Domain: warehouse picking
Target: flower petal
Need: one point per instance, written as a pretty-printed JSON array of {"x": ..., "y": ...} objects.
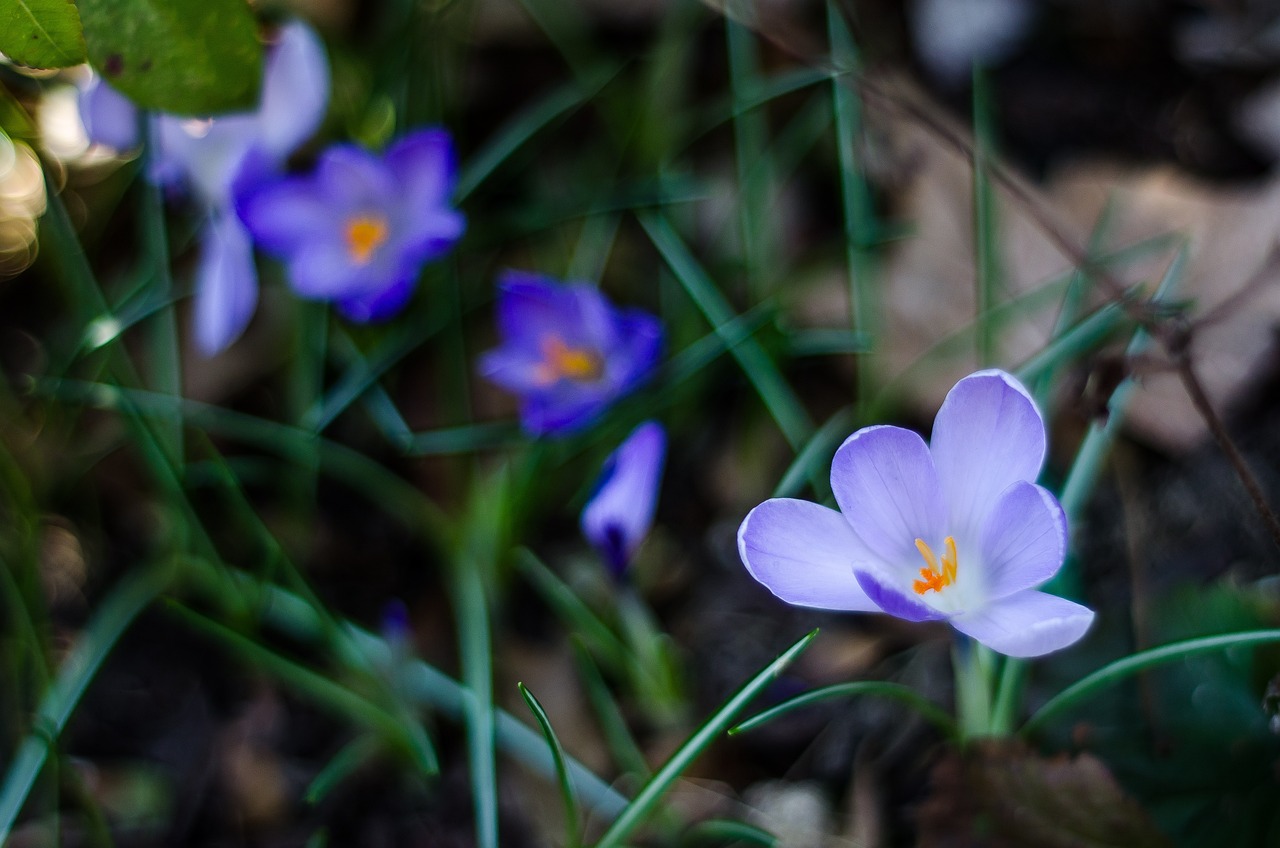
[
  {"x": 353, "y": 180},
  {"x": 884, "y": 481},
  {"x": 108, "y": 116},
  {"x": 1024, "y": 542},
  {"x": 425, "y": 167},
  {"x": 1026, "y": 624},
  {"x": 226, "y": 285},
  {"x": 988, "y": 435},
  {"x": 377, "y": 304},
  {"x": 324, "y": 271},
  {"x": 286, "y": 214},
  {"x": 804, "y": 554},
  {"x": 888, "y": 599},
  {"x": 295, "y": 90},
  {"x": 618, "y": 516}
]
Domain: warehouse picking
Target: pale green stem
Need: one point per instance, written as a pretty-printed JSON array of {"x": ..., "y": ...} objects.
[{"x": 973, "y": 665}]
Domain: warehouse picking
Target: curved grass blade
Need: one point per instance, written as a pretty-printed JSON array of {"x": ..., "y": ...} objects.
[
  {"x": 562, "y": 774},
  {"x": 1130, "y": 665},
  {"x": 928, "y": 710},
  {"x": 724, "y": 831},
  {"x": 116, "y": 612},
  {"x": 343, "y": 764},
  {"x": 648, "y": 797},
  {"x": 819, "y": 447}
]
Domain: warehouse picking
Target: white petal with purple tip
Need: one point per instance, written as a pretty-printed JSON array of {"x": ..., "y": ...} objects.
[
  {"x": 804, "y": 554},
  {"x": 1026, "y": 624}
]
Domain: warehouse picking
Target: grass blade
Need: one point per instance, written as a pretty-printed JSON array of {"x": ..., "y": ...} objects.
[
  {"x": 562, "y": 774},
  {"x": 928, "y": 710},
  {"x": 718, "y": 723},
  {"x": 1113, "y": 673}
]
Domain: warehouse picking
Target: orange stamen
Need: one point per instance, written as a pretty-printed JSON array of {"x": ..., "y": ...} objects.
[
  {"x": 364, "y": 235},
  {"x": 562, "y": 362},
  {"x": 932, "y": 577}
]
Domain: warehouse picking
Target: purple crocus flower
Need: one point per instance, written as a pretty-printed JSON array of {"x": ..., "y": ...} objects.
[
  {"x": 359, "y": 228},
  {"x": 955, "y": 530},
  {"x": 620, "y": 512},
  {"x": 567, "y": 351},
  {"x": 214, "y": 159}
]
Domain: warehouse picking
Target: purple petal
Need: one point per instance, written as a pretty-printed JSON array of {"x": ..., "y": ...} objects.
[
  {"x": 108, "y": 116},
  {"x": 208, "y": 153},
  {"x": 425, "y": 167},
  {"x": 285, "y": 215},
  {"x": 226, "y": 285},
  {"x": 295, "y": 90},
  {"x": 884, "y": 481},
  {"x": 804, "y": 554},
  {"x": 563, "y": 411},
  {"x": 324, "y": 271},
  {"x": 431, "y": 234},
  {"x": 377, "y": 304},
  {"x": 1026, "y": 624},
  {"x": 1024, "y": 542},
  {"x": 988, "y": 435},
  {"x": 620, "y": 513},
  {"x": 636, "y": 349},
  {"x": 888, "y": 598},
  {"x": 354, "y": 180},
  {"x": 515, "y": 369}
]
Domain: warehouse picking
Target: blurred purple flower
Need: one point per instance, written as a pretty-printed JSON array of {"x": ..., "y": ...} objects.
[
  {"x": 956, "y": 530},
  {"x": 620, "y": 512},
  {"x": 566, "y": 351},
  {"x": 360, "y": 227},
  {"x": 216, "y": 158}
]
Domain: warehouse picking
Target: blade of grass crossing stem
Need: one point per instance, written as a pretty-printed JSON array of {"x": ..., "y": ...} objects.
[
  {"x": 861, "y": 231},
  {"x": 622, "y": 745},
  {"x": 571, "y": 827},
  {"x": 344, "y": 702},
  {"x": 346, "y": 762},
  {"x": 428, "y": 686},
  {"x": 751, "y": 150},
  {"x": 777, "y": 395},
  {"x": 640, "y": 808},
  {"x": 577, "y": 616},
  {"x": 524, "y": 125},
  {"x": 986, "y": 236},
  {"x": 815, "y": 457},
  {"x": 115, "y": 614},
  {"x": 928, "y": 710},
  {"x": 1113, "y": 673},
  {"x": 1085, "y": 469}
]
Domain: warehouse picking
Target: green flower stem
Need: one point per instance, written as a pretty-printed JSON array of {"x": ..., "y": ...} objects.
[{"x": 972, "y": 664}]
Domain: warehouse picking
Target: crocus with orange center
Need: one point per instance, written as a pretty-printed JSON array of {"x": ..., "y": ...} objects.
[{"x": 954, "y": 530}]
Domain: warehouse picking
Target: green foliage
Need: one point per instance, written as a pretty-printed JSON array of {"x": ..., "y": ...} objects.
[
  {"x": 41, "y": 33},
  {"x": 187, "y": 58}
]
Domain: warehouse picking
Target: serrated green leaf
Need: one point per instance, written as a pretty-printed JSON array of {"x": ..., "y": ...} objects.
[
  {"x": 188, "y": 58},
  {"x": 41, "y": 33}
]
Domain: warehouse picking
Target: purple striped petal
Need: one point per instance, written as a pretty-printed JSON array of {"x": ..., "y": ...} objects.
[
  {"x": 890, "y": 599},
  {"x": 1024, "y": 542},
  {"x": 884, "y": 481},
  {"x": 804, "y": 554},
  {"x": 1026, "y": 624},
  {"x": 988, "y": 435}
]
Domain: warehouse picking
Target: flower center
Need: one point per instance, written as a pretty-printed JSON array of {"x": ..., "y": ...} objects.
[
  {"x": 562, "y": 362},
  {"x": 364, "y": 235},
  {"x": 932, "y": 577}
]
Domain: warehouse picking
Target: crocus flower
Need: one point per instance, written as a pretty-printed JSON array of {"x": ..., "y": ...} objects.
[
  {"x": 620, "y": 512},
  {"x": 359, "y": 228},
  {"x": 214, "y": 159},
  {"x": 567, "y": 351},
  {"x": 955, "y": 530}
]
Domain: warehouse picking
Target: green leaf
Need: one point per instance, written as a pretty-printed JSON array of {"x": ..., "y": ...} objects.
[
  {"x": 189, "y": 58},
  {"x": 562, "y": 773},
  {"x": 41, "y": 33}
]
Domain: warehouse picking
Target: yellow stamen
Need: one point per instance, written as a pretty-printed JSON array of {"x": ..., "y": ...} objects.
[
  {"x": 364, "y": 235},
  {"x": 562, "y": 362},
  {"x": 932, "y": 577}
]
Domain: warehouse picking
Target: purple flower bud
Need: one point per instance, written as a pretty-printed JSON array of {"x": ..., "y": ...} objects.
[{"x": 620, "y": 512}]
